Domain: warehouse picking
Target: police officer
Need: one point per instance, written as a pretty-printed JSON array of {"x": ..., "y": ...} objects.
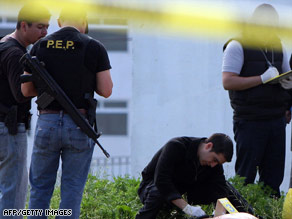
[
  {"x": 32, "y": 24},
  {"x": 80, "y": 65},
  {"x": 261, "y": 110}
]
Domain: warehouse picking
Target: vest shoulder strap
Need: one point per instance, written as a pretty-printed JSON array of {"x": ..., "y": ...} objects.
[{"x": 7, "y": 45}]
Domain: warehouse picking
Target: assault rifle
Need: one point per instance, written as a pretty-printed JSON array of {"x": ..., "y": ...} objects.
[
  {"x": 237, "y": 200},
  {"x": 54, "y": 92}
]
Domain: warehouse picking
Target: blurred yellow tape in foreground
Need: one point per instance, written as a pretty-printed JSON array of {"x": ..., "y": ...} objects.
[
  {"x": 167, "y": 17},
  {"x": 287, "y": 207}
]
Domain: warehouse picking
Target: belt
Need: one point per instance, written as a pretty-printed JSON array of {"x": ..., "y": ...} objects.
[
  {"x": 2, "y": 119},
  {"x": 20, "y": 119},
  {"x": 49, "y": 111}
]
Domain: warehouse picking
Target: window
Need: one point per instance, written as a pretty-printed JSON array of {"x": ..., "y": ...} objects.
[
  {"x": 5, "y": 31},
  {"x": 112, "y": 117},
  {"x": 7, "y": 25},
  {"x": 114, "y": 39},
  {"x": 110, "y": 31},
  {"x": 112, "y": 123},
  {"x": 115, "y": 104},
  {"x": 11, "y": 20}
]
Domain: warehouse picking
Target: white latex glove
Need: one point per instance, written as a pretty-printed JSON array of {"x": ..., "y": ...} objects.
[
  {"x": 286, "y": 83},
  {"x": 213, "y": 213},
  {"x": 194, "y": 211},
  {"x": 271, "y": 72}
]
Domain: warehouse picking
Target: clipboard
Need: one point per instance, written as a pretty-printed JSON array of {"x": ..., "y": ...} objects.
[{"x": 277, "y": 78}]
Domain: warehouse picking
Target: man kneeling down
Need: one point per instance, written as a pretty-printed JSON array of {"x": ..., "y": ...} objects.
[{"x": 185, "y": 165}]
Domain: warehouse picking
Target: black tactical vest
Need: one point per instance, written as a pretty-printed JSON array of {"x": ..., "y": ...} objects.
[
  {"x": 63, "y": 54},
  {"x": 6, "y": 96},
  {"x": 265, "y": 101}
]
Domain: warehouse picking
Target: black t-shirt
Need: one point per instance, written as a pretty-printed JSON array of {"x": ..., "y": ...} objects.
[
  {"x": 96, "y": 57},
  {"x": 73, "y": 59}
]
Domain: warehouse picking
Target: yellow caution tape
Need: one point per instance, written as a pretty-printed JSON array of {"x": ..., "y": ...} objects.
[
  {"x": 184, "y": 18},
  {"x": 287, "y": 207}
]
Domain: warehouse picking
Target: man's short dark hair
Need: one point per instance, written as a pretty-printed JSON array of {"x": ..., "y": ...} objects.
[
  {"x": 73, "y": 14},
  {"x": 265, "y": 14},
  {"x": 222, "y": 144},
  {"x": 32, "y": 12}
]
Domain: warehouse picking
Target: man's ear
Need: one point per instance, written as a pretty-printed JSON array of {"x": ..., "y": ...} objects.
[
  {"x": 59, "y": 23},
  {"x": 23, "y": 25},
  {"x": 209, "y": 146},
  {"x": 86, "y": 28}
]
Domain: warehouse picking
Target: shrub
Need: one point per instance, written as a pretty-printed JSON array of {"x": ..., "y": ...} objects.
[
  {"x": 106, "y": 199},
  {"x": 260, "y": 198},
  {"x": 118, "y": 199}
]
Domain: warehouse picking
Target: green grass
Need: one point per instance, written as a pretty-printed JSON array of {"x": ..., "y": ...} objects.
[{"x": 118, "y": 199}]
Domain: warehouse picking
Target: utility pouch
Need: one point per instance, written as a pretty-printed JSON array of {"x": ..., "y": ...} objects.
[
  {"x": 91, "y": 110},
  {"x": 27, "y": 120},
  {"x": 10, "y": 120}
]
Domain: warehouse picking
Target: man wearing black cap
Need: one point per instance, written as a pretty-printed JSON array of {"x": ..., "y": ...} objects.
[
  {"x": 32, "y": 24},
  {"x": 80, "y": 65}
]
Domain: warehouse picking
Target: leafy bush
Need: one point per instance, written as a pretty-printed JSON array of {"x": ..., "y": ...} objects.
[
  {"x": 260, "y": 198},
  {"x": 118, "y": 199},
  {"x": 257, "y": 195},
  {"x": 106, "y": 199}
]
